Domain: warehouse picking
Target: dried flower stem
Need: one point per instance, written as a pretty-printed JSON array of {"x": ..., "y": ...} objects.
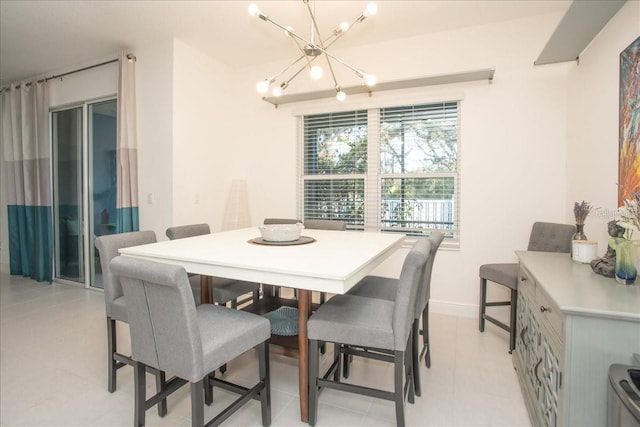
[{"x": 581, "y": 211}]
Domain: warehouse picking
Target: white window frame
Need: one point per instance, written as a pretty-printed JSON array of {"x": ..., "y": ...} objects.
[{"x": 373, "y": 177}]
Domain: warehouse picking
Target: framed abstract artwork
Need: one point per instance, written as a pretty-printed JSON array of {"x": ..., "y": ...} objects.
[{"x": 629, "y": 143}]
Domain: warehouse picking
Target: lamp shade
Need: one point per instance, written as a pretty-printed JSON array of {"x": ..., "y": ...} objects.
[{"x": 236, "y": 212}]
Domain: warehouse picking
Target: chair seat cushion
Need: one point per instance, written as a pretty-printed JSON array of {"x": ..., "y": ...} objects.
[
  {"x": 234, "y": 333},
  {"x": 354, "y": 320},
  {"x": 503, "y": 274},
  {"x": 376, "y": 287},
  {"x": 225, "y": 290},
  {"x": 119, "y": 309}
]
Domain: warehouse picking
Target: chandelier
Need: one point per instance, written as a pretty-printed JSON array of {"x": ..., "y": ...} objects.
[{"x": 311, "y": 48}]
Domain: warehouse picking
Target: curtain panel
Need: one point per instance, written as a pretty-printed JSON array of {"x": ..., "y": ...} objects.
[
  {"x": 127, "y": 149},
  {"x": 27, "y": 169}
]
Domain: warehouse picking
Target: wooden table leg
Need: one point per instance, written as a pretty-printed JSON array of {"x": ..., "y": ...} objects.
[
  {"x": 205, "y": 298},
  {"x": 304, "y": 310}
]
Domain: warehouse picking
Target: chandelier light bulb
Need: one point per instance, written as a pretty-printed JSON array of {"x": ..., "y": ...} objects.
[
  {"x": 344, "y": 26},
  {"x": 370, "y": 80},
  {"x": 340, "y": 95},
  {"x": 263, "y": 86},
  {"x": 316, "y": 72},
  {"x": 371, "y": 10},
  {"x": 254, "y": 10}
]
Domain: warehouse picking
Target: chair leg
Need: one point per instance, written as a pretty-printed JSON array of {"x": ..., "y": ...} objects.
[
  {"x": 323, "y": 297},
  {"x": 313, "y": 381},
  {"x": 265, "y": 377},
  {"x": 483, "y": 302},
  {"x": 345, "y": 365},
  {"x": 161, "y": 382},
  {"x": 398, "y": 363},
  {"x": 140, "y": 388},
  {"x": 256, "y": 296},
  {"x": 512, "y": 331},
  {"x": 336, "y": 359},
  {"x": 425, "y": 335},
  {"x": 111, "y": 349},
  {"x": 208, "y": 388},
  {"x": 415, "y": 362},
  {"x": 197, "y": 404}
]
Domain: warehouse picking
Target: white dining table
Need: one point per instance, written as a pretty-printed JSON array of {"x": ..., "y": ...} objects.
[{"x": 333, "y": 262}]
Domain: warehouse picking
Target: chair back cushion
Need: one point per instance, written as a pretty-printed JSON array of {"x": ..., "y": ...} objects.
[
  {"x": 424, "y": 290},
  {"x": 108, "y": 247},
  {"x": 268, "y": 221},
  {"x": 550, "y": 237},
  {"x": 184, "y": 231},
  {"x": 162, "y": 316},
  {"x": 325, "y": 224},
  {"x": 407, "y": 292}
]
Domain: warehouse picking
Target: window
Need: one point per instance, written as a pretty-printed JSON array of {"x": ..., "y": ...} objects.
[{"x": 390, "y": 169}]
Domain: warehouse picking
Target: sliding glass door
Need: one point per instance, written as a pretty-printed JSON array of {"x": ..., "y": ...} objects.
[{"x": 84, "y": 181}]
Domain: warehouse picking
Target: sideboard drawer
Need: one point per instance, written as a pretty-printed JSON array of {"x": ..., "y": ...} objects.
[
  {"x": 526, "y": 283},
  {"x": 550, "y": 312}
]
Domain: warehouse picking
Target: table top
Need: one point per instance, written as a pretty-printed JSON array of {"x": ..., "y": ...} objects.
[
  {"x": 578, "y": 290},
  {"x": 335, "y": 262}
]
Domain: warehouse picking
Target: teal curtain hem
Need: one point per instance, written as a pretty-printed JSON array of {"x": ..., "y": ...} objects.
[
  {"x": 31, "y": 241},
  {"x": 127, "y": 219}
]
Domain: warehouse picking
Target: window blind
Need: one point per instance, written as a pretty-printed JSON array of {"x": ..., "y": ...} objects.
[{"x": 390, "y": 169}]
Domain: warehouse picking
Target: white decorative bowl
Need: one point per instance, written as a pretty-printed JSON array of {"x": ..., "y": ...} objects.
[{"x": 281, "y": 232}]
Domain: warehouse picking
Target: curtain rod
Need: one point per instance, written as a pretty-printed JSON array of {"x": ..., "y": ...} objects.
[{"x": 129, "y": 57}]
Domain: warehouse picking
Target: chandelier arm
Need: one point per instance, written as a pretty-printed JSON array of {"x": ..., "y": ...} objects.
[
  {"x": 296, "y": 74},
  {"x": 338, "y": 32},
  {"x": 314, "y": 25},
  {"x": 275, "y": 76},
  {"x": 335, "y": 81},
  {"x": 313, "y": 45},
  {"x": 301, "y": 49}
]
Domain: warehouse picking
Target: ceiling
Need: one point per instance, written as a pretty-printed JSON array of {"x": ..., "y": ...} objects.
[{"x": 42, "y": 37}]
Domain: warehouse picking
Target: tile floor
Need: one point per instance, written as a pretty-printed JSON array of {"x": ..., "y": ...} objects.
[{"x": 53, "y": 373}]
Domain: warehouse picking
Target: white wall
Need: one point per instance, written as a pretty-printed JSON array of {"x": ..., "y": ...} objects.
[
  {"x": 202, "y": 137},
  {"x": 154, "y": 92},
  {"x": 592, "y": 123}
]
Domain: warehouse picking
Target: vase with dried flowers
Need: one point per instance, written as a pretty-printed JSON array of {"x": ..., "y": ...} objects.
[
  {"x": 580, "y": 211},
  {"x": 626, "y": 248}
]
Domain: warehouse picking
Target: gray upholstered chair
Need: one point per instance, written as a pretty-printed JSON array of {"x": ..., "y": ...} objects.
[
  {"x": 386, "y": 288},
  {"x": 268, "y": 221},
  {"x": 545, "y": 237},
  {"x": 325, "y": 224},
  {"x": 171, "y": 334},
  {"x": 115, "y": 302},
  {"x": 224, "y": 290},
  {"x": 365, "y": 325}
]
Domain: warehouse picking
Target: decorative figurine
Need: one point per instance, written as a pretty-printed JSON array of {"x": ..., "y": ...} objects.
[{"x": 606, "y": 265}]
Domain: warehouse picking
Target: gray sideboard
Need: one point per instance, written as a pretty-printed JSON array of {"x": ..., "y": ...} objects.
[{"x": 571, "y": 325}]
